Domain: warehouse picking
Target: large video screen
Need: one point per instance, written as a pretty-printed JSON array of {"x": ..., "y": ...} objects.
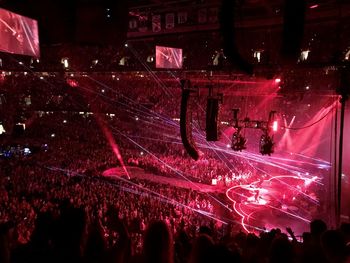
[
  {"x": 18, "y": 34},
  {"x": 168, "y": 57}
]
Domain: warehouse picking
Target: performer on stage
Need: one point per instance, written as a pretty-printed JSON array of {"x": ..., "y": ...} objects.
[{"x": 257, "y": 190}]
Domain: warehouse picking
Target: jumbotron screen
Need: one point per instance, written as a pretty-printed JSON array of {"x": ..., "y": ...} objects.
[
  {"x": 18, "y": 34},
  {"x": 168, "y": 57}
]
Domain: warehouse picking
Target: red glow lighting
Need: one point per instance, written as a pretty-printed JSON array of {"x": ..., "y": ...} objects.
[
  {"x": 71, "y": 82},
  {"x": 314, "y": 6}
]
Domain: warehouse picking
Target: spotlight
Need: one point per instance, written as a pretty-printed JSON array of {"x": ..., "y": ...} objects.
[
  {"x": 266, "y": 144},
  {"x": 275, "y": 126},
  {"x": 65, "y": 63},
  {"x": 272, "y": 122},
  {"x": 304, "y": 55},
  {"x": 238, "y": 142}
]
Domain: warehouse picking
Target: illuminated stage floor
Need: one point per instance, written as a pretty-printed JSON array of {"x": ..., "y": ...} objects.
[{"x": 277, "y": 202}]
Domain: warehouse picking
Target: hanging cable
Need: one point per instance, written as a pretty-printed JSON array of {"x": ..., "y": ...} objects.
[{"x": 310, "y": 125}]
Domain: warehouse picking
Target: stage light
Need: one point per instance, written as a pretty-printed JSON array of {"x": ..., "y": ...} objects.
[
  {"x": 347, "y": 55},
  {"x": 2, "y": 129},
  {"x": 266, "y": 145},
  {"x": 150, "y": 59},
  {"x": 238, "y": 142},
  {"x": 307, "y": 87},
  {"x": 275, "y": 126},
  {"x": 257, "y": 55},
  {"x": 272, "y": 122},
  {"x": 65, "y": 63},
  {"x": 71, "y": 82},
  {"x": 304, "y": 55},
  {"x": 278, "y": 80},
  {"x": 123, "y": 61},
  {"x": 27, "y": 151},
  {"x": 314, "y": 6}
]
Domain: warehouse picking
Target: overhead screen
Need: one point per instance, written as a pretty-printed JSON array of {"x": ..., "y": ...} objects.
[
  {"x": 18, "y": 34},
  {"x": 168, "y": 57}
]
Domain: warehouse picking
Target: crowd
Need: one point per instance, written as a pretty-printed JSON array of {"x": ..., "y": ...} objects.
[
  {"x": 83, "y": 108},
  {"x": 203, "y": 171},
  {"x": 56, "y": 206},
  {"x": 30, "y": 188},
  {"x": 49, "y": 214},
  {"x": 141, "y": 112}
]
